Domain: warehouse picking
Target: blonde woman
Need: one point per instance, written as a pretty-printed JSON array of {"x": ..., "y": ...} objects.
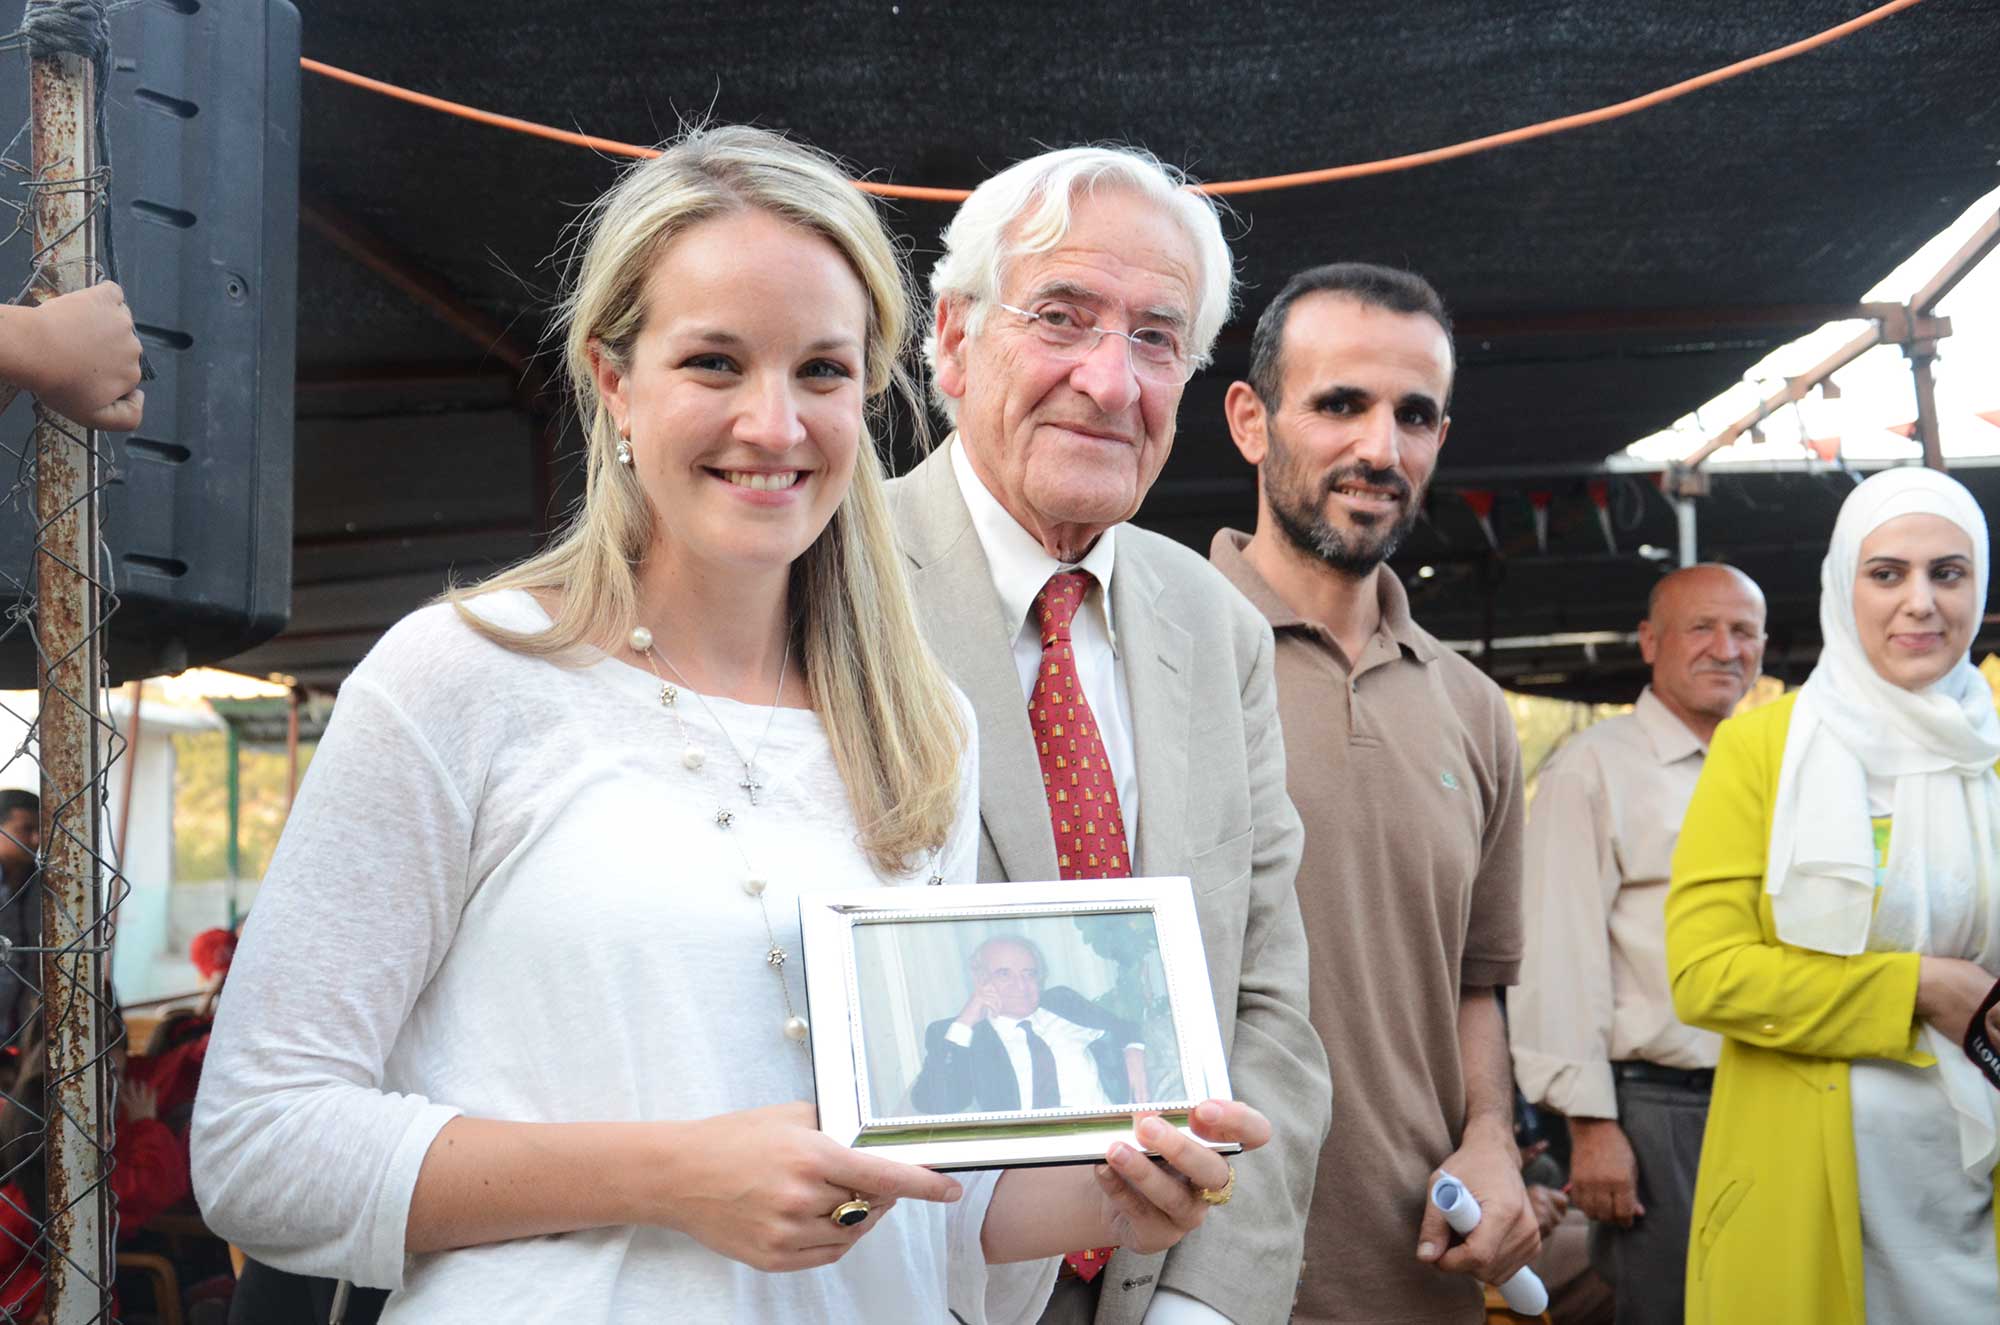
[
  {"x": 1835, "y": 914},
  {"x": 517, "y": 1030}
]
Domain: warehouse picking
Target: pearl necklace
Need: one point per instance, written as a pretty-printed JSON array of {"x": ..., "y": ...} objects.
[{"x": 754, "y": 884}]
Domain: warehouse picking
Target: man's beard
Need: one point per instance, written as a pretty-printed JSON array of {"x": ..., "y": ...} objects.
[{"x": 1298, "y": 504}]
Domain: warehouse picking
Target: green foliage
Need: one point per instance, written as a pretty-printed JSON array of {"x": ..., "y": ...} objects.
[
  {"x": 1129, "y": 940},
  {"x": 1139, "y": 994},
  {"x": 201, "y": 805}
]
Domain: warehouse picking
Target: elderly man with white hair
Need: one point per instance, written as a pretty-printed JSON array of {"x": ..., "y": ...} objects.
[{"x": 1127, "y": 710}]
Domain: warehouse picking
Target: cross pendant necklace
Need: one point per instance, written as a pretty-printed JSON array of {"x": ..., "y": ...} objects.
[
  {"x": 754, "y": 883},
  {"x": 641, "y": 640}
]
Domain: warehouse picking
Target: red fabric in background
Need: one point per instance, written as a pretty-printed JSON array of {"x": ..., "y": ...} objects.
[
  {"x": 212, "y": 951},
  {"x": 20, "y": 1268},
  {"x": 149, "y": 1173},
  {"x": 173, "y": 1074}
]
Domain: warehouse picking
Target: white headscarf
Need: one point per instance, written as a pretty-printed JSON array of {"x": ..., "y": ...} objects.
[{"x": 1937, "y": 746}]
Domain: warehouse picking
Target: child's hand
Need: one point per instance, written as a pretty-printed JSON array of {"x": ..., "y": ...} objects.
[{"x": 138, "y": 1101}]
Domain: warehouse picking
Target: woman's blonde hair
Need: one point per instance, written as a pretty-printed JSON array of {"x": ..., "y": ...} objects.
[{"x": 888, "y": 710}]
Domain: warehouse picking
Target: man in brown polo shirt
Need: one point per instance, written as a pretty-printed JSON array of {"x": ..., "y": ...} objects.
[{"x": 1403, "y": 763}]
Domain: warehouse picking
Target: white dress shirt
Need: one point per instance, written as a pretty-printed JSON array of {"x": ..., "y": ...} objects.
[
  {"x": 1078, "y": 1085},
  {"x": 1599, "y": 853},
  {"x": 1020, "y": 568}
]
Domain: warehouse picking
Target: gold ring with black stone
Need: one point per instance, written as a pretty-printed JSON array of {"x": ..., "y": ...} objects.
[
  {"x": 1219, "y": 1195},
  {"x": 849, "y": 1213}
]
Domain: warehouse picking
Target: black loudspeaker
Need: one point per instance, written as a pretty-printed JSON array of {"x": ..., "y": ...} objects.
[{"x": 203, "y": 106}]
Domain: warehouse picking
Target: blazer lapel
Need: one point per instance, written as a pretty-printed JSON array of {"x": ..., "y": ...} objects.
[
  {"x": 1156, "y": 654},
  {"x": 961, "y": 616}
]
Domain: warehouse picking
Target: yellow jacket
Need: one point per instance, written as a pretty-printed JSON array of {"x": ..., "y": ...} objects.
[{"x": 1777, "y": 1218}]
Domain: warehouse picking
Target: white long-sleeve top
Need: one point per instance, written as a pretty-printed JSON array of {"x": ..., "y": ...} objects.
[{"x": 501, "y": 893}]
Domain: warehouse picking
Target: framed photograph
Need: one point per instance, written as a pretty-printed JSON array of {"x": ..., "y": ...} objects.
[{"x": 999, "y": 1025}]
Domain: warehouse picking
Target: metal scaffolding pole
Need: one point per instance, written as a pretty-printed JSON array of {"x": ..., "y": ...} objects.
[
  {"x": 1915, "y": 326},
  {"x": 1683, "y": 485},
  {"x": 1922, "y": 354},
  {"x": 78, "y": 1260}
]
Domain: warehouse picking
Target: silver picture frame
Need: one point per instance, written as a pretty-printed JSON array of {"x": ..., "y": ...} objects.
[{"x": 879, "y": 966}]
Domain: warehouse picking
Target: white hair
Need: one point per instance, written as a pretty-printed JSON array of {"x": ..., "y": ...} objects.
[
  {"x": 977, "y": 961},
  {"x": 1026, "y": 209}
]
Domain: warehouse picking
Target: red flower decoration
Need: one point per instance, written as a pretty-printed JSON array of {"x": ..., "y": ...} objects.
[{"x": 211, "y": 951}]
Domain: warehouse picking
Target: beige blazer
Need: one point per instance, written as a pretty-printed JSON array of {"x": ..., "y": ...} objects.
[{"x": 1211, "y": 780}]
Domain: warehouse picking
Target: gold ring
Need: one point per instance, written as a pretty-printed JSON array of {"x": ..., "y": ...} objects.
[
  {"x": 1219, "y": 1196},
  {"x": 849, "y": 1213}
]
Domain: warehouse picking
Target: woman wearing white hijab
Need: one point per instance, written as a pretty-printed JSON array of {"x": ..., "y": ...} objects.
[{"x": 1835, "y": 914}]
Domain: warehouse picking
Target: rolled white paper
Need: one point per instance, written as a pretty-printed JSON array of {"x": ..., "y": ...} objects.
[{"x": 1524, "y": 1293}]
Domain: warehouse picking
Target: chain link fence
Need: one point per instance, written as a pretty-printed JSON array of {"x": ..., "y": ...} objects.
[{"x": 59, "y": 890}]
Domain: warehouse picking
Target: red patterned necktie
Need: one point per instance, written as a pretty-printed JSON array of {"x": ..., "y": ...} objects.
[{"x": 1076, "y": 777}]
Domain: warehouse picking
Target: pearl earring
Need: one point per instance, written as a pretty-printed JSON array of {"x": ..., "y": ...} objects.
[{"x": 624, "y": 452}]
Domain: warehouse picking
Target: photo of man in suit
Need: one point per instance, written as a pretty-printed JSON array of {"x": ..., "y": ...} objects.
[{"x": 1017, "y": 1045}]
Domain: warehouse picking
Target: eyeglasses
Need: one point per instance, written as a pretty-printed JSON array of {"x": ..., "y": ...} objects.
[{"x": 1157, "y": 353}]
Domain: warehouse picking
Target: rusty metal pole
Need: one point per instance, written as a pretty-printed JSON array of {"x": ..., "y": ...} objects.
[
  {"x": 1922, "y": 354},
  {"x": 78, "y": 1259}
]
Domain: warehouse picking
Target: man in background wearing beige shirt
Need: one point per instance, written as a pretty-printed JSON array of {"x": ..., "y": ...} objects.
[{"x": 1592, "y": 1021}]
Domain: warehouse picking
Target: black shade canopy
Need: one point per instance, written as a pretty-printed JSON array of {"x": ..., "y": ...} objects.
[{"x": 1606, "y": 280}]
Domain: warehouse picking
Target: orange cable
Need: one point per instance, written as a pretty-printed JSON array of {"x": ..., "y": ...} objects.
[
  {"x": 1566, "y": 122},
  {"x": 912, "y": 192},
  {"x": 1264, "y": 184},
  {"x": 464, "y": 111}
]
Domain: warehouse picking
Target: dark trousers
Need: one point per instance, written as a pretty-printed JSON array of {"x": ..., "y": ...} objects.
[
  {"x": 266, "y": 1295},
  {"x": 1646, "y": 1264},
  {"x": 1073, "y": 1303}
]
